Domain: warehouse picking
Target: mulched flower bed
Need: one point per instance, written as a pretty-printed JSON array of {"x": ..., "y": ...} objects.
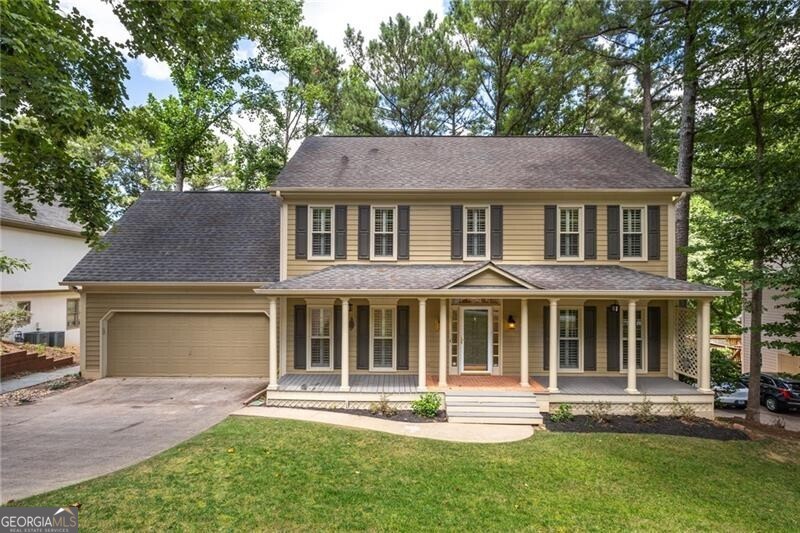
[
  {"x": 663, "y": 425},
  {"x": 401, "y": 416}
]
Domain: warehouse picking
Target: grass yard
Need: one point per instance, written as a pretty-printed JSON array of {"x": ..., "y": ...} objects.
[{"x": 260, "y": 474}]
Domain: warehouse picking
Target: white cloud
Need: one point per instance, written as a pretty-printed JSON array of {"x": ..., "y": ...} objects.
[
  {"x": 106, "y": 23},
  {"x": 153, "y": 68},
  {"x": 331, "y": 17}
]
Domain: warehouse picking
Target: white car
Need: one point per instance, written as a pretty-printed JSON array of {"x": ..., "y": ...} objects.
[{"x": 736, "y": 399}]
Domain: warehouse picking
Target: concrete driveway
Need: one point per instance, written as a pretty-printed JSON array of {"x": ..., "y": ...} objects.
[
  {"x": 791, "y": 419},
  {"x": 107, "y": 425}
]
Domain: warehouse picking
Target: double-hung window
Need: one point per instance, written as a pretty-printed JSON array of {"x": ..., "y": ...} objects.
[
  {"x": 321, "y": 232},
  {"x": 639, "y": 341},
  {"x": 568, "y": 339},
  {"x": 384, "y": 233},
  {"x": 383, "y": 338},
  {"x": 477, "y": 230},
  {"x": 73, "y": 313},
  {"x": 633, "y": 232},
  {"x": 569, "y": 233},
  {"x": 320, "y": 338}
]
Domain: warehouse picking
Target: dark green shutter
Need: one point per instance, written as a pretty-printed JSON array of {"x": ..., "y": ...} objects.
[
  {"x": 363, "y": 231},
  {"x": 612, "y": 339},
  {"x": 550, "y": 221},
  {"x": 590, "y": 232},
  {"x": 613, "y": 232},
  {"x": 403, "y": 231},
  {"x": 300, "y": 337},
  {"x": 497, "y": 231},
  {"x": 456, "y": 231},
  {"x": 362, "y": 340},
  {"x": 546, "y": 337},
  {"x": 341, "y": 232},
  {"x": 653, "y": 339},
  {"x": 337, "y": 336},
  {"x": 301, "y": 232},
  {"x": 653, "y": 232},
  {"x": 590, "y": 338},
  {"x": 402, "y": 337}
]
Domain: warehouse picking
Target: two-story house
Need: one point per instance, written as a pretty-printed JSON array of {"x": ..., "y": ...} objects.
[
  {"x": 51, "y": 245},
  {"x": 537, "y": 265}
]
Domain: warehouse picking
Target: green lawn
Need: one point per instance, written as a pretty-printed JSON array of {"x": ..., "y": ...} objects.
[{"x": 260, "y": 474}]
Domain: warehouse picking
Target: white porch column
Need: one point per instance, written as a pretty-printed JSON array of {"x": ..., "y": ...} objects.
[
  {"x": 553, "y": 347},
  {"x": 704, "y": 349},
  {"x": 523, "y": 344},
  {"x": 423, "y": 338},
  {"x": 443, "y": 329},
  {"x": 345, "y": 344},
  {"x": 631, "y": 388},
  {"x": 273, "y": 344},
  {"x": 283, "y": 309}
]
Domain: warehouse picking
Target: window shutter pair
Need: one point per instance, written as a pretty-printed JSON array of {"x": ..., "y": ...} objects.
[
  {"x": 362, "y": 337},
  {"x": 613, "y": 341},
  {"x": 301, "y": 232},
  {"x": 403, "y": 231},
  {"x": 589, "y": 337},
  {"x": 589, "y": 231},
  {"x": 653, "y": 215},
  {"x": 457, "y": 231}
]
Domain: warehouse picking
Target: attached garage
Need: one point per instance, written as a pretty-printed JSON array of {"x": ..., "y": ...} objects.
[{"x": 187, "y": 344}]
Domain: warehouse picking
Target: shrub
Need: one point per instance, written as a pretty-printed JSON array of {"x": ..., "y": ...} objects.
[
  {"x": 562, "y": 414},
  {"x": 724, "y": 370},
  {"x": 11, "y": 318},
  {"x": 427, "y": 405},
  {"x": 383, "y": 407},
  {"x": 644, "y": 412},
  {"x": 681, "y": 410},
  {"x": 599, "y": 412}
]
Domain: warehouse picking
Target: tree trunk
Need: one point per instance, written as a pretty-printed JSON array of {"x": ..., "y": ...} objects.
[
  {"x": 647, "y": 111},
  {"x": 686, "y": 139},
  {"x": 180, "y": 171},
  {"x": 756, "y": 308}
]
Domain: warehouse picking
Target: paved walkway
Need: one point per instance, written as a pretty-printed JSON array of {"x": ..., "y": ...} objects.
[
  {"x": 37, "y": 378},
  {"x": 482, "y": 433}
]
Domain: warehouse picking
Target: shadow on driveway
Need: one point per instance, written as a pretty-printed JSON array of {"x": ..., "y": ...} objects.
[{"x": 107, "y": 425}]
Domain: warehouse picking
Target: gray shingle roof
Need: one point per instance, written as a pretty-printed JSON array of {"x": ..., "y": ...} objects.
[
  {"x": 432, "y": 277},
  {"x": 189, "y": 237},
  {"x": 47, "y": 216},
  {"x": 500, "y": 163}
]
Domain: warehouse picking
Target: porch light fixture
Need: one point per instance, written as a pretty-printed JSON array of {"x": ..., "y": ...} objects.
[
  {"x": 615, "y": 308},
  {"x": 512, "y": 324}
]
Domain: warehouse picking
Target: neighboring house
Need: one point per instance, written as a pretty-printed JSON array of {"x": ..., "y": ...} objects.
[
  {"x": 772, "y": 359},
  {"x": 51, "y": 245},
  {"x": 403, "y": 264}
]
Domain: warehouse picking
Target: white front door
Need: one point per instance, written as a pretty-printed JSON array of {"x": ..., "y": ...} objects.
[{"x": 475, "y": 354}]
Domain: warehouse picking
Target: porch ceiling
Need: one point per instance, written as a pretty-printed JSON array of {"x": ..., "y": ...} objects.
[{"x": 438, "y": 280}]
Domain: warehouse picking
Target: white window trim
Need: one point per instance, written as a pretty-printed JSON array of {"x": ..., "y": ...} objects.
[
  {"x": 488, "y": 232},
  {"x": 372, "y": 255},
  {"x": 310, "y": 368},
  {"x": 310, "y": 225},
  {"x": 579, "y": 257},
  {"x": 643, "y": 256},
  {"x": 372, "y": 367},
  {"x": 622, "y": 333},
  {"x": 579, "y": 309},
  {"x": 78, "y": 324},
  {"x": 490, "y": 335}
]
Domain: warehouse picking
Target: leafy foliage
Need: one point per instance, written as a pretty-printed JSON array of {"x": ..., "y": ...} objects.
[
  {"x": 724, "y": 370},
  {"x": 427, "y": 405},
  {"x": 9, "y": 265},
  {"x": 11, "y": 318},
  {"x": 563, "y": 413}
]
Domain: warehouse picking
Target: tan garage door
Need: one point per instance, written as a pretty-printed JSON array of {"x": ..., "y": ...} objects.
[{"x": 188, "y": 344}]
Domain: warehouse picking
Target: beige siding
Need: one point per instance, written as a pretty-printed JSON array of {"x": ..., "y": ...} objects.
[
  {"x": 772, "y": 359},
  {"x": 489, "y": 279},
  {"x": 99, "y": 304},
  {"x": 523, "y": 238}
]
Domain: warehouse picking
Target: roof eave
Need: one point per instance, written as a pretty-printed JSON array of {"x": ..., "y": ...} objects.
[
  {"x": 505, "y": 293},
  {"x": 665, "y": 190}
]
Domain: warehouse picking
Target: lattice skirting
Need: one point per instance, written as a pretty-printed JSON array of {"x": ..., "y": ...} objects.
[
  {"x": 703, "y": 407},
  {"x": 333, "y": 404},
  {"x": 686, "y": 357}
]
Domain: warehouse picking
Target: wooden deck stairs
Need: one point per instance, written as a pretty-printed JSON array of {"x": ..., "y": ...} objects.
[{"x": 492, "y": 407}]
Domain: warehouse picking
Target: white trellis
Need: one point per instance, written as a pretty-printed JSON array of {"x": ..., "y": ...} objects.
[{"x": 686, "y": 357}]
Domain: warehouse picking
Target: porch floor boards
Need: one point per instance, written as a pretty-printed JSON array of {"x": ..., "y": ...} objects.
[
  {"x": 654, "y": 386},
  {"x": 358, "y": 383}
]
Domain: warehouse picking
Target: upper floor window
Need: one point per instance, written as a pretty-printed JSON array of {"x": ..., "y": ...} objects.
[
  {"x": 320, "y": 338},
  {"x": 568, "y": 339},
  {"x": 569, "y": 233},
  {"x": 321, "y": 232},
  {"x": 477, "y": 231},
  {"x": 632, "y": 232},
  {"x": 73, "y": 313},
  {"x": 383, "y": 336},
  {"x": 639, "y": 341},
  {"x": 384, "y": 234}
]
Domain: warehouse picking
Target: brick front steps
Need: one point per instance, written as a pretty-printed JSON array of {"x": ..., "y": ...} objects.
[{"x": 24, "y": 361}]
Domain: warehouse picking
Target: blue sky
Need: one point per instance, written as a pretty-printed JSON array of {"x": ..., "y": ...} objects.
[{"x": 328, "y": 17}]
